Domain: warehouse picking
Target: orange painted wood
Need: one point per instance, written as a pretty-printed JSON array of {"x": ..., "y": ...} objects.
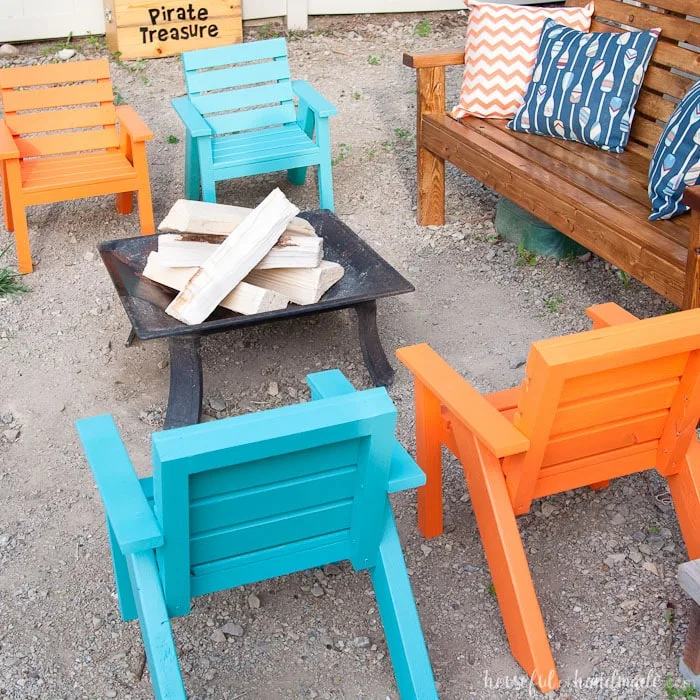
[
  {"x": 80, "y": 118},
  {"x": 434, "y": 60},
  {"x": 52, "y": 154},
  {"x": 504, "y": 551},
  {"x": 45, "y": 98},
  {"x": 429, "y": 458},
  {"x": 609, "y": 314},
  {"x": 133, "y": 124},
  {"x": 462, "y": 399}
]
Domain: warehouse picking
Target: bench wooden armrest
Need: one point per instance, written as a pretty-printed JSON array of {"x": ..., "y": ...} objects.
[
  {"x": 8, "y": 147},
  {"x": 691, "y": 197},
  {"x": 134, "y": 525},
  {"x": 194, "y": 122},
  {"x": 610, "y": 314},
  {"x": 434, "y": 59},
  {"x": 133, "y": 124},
  {"x": 466, "y": 404}
]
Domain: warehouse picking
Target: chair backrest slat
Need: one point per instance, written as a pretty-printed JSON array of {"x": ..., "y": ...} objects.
[
  {"x": 251, "y": 488},
  {"x": 238, "y": 88},
  {"x": 61, "y": 120},
  {"x": 47, "y": 98},
  {"x": 54, "y": 73},
  {"x": 615, "y": 389}
]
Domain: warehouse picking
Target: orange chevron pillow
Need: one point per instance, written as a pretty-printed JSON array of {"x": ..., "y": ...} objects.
[{"x": 501, "y": 51}]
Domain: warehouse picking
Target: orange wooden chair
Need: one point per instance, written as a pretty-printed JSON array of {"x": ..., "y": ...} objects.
[
  {"x": 616, "y": 400},
  {"x": 49, "y": 154}
]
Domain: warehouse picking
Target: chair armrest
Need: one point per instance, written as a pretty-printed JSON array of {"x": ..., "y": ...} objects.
[
  {"x": 8, "y": 147},
  {"x": 313, "y": 99},
  {"x": 610, "y": 314},
  {"x": 133, "y": 124},
  {"x": 192, "y": 119},
  {"x": 435, "y": 59},
  {"x": 691, "y": 197},
  {"x": 404, "y": 473},
  {"x": 463, "y": 400},
  {"x": 131, "y": 517}
]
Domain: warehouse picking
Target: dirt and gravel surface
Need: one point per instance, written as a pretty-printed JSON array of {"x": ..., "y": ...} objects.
[{"x": 604, "y": 563}]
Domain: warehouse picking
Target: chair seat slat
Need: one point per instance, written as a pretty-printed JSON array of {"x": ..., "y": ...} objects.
[{"x": 67, "y": 143}]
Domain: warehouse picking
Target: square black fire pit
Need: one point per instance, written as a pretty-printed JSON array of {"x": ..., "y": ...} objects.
[{"x": 368, "y": 277}]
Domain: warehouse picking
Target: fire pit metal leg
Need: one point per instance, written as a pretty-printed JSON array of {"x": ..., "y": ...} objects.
[
  {"x": 375, "y": 358},
  {"x": 185, "y": 399}
]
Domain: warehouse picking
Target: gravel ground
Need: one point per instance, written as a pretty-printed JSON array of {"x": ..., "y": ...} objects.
[{"x": 604, "y": 563}]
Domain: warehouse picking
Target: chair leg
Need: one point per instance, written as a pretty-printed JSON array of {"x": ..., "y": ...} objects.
[
  {"x": 155, "y": 626},
  {"x": 193, "y": 179},
  {"x": 6, "y": 198},
  {"x": 397, "y": 607},
  {"x": 206, "y": 169},
  {"x": 429, "y": 458},
  {"x": 24, "y": 255},
  {"x": 507, "y": 562},
  {"x": 685, "y": 490},
  {"x": 127, "y": 604},
  {"x": 306, "y": 121},
  {"x": 143, "y": 189},
  {"x": 325, "y": 169},
  {"x": 125, "y": 202}
]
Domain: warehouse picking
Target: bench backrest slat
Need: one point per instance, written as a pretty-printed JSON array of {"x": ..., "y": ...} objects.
[{"x": 675, "y": 64}]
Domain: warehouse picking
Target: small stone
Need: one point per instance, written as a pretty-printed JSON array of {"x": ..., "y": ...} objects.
[
  {"x": 97, "y": 622},
  {"x": 585, "y": 257},
  {"x": 516, "y": 362},
  {"x": 273, "y": 389},
  {"x": 613, "y": 559},
  {"x": 638, "y": 536},
  {"x": 65, "y": 54},
  {"x": 232, "y": 629},
  {"x": 89, "y": 256},
  {"x": 253, "y": 601},
  {"x": 8, "y": 50},
  {"x": 217, "y": 636},
  {"x": 650, "y": 567},
  {"x": 316, "y": 590},
  {"x": 471, "y": 569},
  {"x": 331, "y": 570},
  {"x": 635, "y": 556},
  {"x": 217, "y": 405},
  {"x": 618, "y": 519},
  {"x": 163, "y": 364},
  {"x": 361, "y": 642},
  {"x": 11, "y": 435},
  {"x": 6, "y": 418},
  {"x": 464, "y": 498},
  {"x": 292, "y": 392},
  {"x": 547, "y": 509},
  {"x": 577, "y": 608},
  {"x": 111, "y": 694},
  {"x": 645, "y": 549},
  {"x": 425, "y": 549}
]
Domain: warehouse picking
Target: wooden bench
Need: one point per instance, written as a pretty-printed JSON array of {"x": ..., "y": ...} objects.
[{"x": 599, "y": 199}]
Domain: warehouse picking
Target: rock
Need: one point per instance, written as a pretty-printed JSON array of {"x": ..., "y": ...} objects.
[
  {"x": 585, "y": 257},
  {"x": 6, "y": 418},
  {"x": 253, "y": 601},
  {"x": 65, "y": 54},
  {"x": 273, "y": 389},
  {"x": 645, "y": 549},
  {"x": 361, "y": 642},
  {"x": 8, "y": 50},
  {"x": 547, "y": 509},
  {"x": 89, "y": 256},
  {"x": 650, "y": 567},
  {"x": 163, "y": 364},
  {"x": 232, "y": 629},
  {"x": 471, "y": 569},
  {"x": 217, "y": 405},
  {"x": 425, "y": 549},
  {"x": 316, "y": 590},
  {"x": 635, "y": 556},
  {"x": 11, "y": 435},
  {"x": 111, "y": 694},
  {"x": 516, "y": 362},
  {"x": 612, "y": 559},
  {"x": 97, "y": 622},
  {"x": 618, "y": 519},
  {"x": 292, "y": 392},
  {"x": 217, "y": 636},
  {"x": 331, "y": 570}
]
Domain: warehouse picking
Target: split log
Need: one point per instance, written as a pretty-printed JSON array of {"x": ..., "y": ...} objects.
[
  {"x": 301, "y": 286},
  {"x": 244, "y": 299},
  {"x": 189, "y": 216},
  {"x": 242, "y": 250},
  {"x": 192, "y": 250}
]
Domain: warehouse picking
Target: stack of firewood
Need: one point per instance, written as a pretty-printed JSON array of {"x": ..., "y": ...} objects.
[{"x": 246, "y": 260}]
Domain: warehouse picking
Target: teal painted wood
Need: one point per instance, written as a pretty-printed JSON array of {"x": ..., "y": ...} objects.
[
  {"x": 397, "y": 608},
  {"x": 258, "y": 496},
  {"x": 135, "y": 528},
  {"x": 404, "y": 472},
  {"x": 155, "y": 627},
  {"x": 125, "y": 596},
  {"x": 237, "y": 93}
]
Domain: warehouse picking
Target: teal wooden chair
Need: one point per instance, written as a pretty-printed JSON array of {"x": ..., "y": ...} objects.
[
  {"x": 249, "y": 498},
  {"x": 240, "y": 119}
]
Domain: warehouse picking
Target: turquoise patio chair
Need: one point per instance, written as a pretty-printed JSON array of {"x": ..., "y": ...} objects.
[
  {"x": 257, "y": 496},
  {"x": 240, "y": 119}
]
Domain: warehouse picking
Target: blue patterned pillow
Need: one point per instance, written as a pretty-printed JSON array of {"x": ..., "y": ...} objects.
[
  {"x": 675, "y": 164},
  {"x": 585, "y": 85}
]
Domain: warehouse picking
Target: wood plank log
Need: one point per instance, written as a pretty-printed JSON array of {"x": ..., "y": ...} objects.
[
  {"x": 242, "y": 250},
  {"x": 190, "y": 216},
  {"x": 302, "y": 285},
  {"x": 193, "y": 249},
  {"x": 245, "y": 299}
]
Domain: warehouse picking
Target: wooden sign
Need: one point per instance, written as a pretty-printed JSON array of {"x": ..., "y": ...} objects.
[{"x": 146, "y": 29}]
